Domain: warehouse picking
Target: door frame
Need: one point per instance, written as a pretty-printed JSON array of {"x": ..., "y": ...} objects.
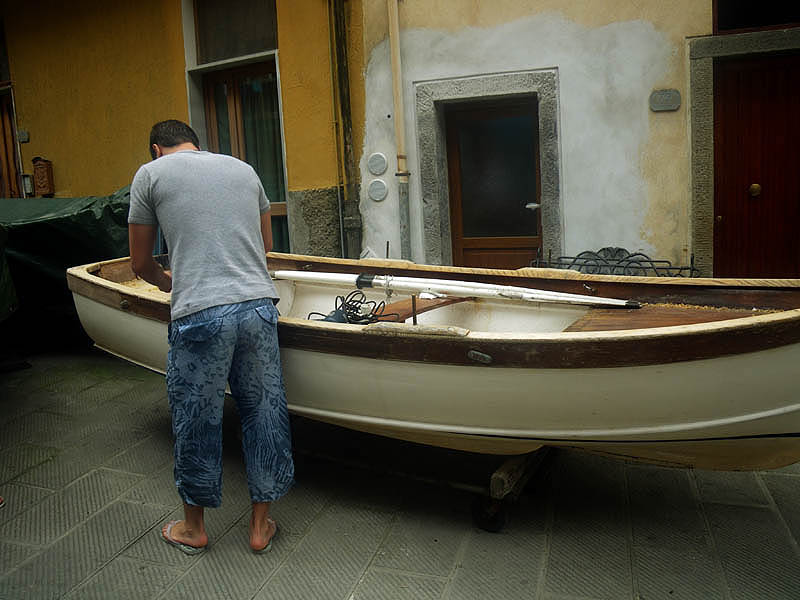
[
  {"x": 702, "y": 52},
  {"x": 431, "y": 98}
]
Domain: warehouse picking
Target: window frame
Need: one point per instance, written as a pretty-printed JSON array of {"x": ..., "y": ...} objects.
[{"x": 230, "y": 78}]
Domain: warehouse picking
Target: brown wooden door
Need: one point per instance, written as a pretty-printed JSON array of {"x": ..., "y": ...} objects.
[
  {"x": 9, "y": 176},
  {"x": 493, "y": 170},
  {"x": 757, "y": 167}
]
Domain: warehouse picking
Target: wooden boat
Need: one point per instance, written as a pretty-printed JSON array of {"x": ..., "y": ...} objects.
[{"x": 702, "y": 374}]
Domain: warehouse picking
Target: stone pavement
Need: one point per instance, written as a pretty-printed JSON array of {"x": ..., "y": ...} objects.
[{"x": 85, "y": 467}]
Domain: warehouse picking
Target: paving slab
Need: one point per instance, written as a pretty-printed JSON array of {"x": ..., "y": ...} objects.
[
  {"x": 86, "y": 469},
  {"x": 126, "y": 579},
  {"x": 426, "y": 536},
  {"x": 20, "y": 458},
  {"x": 758, "y": 555},
  {"x": 331, "y": 558},
  {"x": 57, "y": 514},
  {"x": 20, "y": 498},
  {"x": 383, "y": 584},
  {"x": 63, "y": 565},
  {"x": 785, "y": 491}
]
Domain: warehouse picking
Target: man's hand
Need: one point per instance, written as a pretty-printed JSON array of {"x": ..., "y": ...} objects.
[
  {"x": 166, "y": 281},
  {"x": 141, "y": 239}
]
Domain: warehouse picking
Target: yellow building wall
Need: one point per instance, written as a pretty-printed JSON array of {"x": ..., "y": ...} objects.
[
  {"x": 90, "y": 79},
  {"x": 304, "y": 60},
  {"x": 357, "y": 64}
]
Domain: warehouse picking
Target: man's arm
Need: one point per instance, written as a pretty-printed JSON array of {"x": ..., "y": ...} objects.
[
  {"x": 141, "y": 239},
  {"x": 266, "y": 230}
]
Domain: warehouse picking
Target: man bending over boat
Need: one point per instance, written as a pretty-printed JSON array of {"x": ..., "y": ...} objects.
[{"x": 215, "y": 218}]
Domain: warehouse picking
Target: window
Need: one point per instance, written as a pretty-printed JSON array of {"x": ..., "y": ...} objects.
[
  {"x": 243, "y": 120},
  {"x": 733, "y": 16},
  {"x": 240, "y": 113},
  {"x": 234, "y": 28}
]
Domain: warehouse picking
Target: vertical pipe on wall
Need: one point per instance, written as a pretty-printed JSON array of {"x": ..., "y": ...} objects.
[
  {"x": 336, "y": 125},
  {"x": 402, "y": 173},
  {"x": 349, "y": 215}
]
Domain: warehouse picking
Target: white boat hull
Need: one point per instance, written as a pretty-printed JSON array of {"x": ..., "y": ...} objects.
[{"x": 730, "y": 412}]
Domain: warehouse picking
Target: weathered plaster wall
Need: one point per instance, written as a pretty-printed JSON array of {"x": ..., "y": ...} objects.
[
  {"x": 314, "y": 227},
  {"x": 625, "y": 173},
  {"x": 90, "y": 79}
]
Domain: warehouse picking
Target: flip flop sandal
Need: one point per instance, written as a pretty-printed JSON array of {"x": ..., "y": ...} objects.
[
  {"x": 268, "y": 547},
  {"x": 185, "y": 548}
]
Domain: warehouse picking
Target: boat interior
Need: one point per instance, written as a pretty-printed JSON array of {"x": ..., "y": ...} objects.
[
  {"x": 316, "y": 301},
  {"x": 302, "y": 300}
]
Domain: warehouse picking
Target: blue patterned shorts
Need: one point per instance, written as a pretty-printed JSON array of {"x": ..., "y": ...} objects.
[{"x": 234, "y": 344}]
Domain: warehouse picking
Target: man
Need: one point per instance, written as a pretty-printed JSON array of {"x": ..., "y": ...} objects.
[{"x": 214, "y": 215}]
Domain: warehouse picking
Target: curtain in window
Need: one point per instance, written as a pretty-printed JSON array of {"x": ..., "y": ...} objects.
[
  {"x": 262, "y": 139},
  {"x": 262, "y": 134}
]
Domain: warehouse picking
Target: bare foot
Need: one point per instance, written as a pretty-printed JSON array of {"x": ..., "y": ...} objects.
[
  {"x": 181, "y": 533},
  {"x": 262, "y": 530}
]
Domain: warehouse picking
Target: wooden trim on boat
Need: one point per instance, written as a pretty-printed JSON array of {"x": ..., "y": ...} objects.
[
  {"x": 655, "y": 315},
  {"x": 581, "y": 350},
  {"x": 116, "y": 295}
]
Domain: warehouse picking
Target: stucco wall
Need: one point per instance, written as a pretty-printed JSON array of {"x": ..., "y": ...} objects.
[
  {"x": 307, "y": 94},
  {"x": 90, "y": 79},
  {"x": 625, "y": 170}
]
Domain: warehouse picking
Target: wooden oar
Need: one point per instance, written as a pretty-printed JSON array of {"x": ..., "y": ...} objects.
[{"x": 443, "y": 287}]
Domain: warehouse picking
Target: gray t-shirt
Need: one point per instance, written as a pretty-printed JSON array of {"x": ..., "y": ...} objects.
[{"x": 209, "y": 208}]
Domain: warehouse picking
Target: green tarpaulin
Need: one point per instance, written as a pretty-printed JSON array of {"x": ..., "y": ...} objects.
[
  {"x": 48, "y": 235},
  {"x": 51, "y": 234},
  {"x": 8, "y": 295}
]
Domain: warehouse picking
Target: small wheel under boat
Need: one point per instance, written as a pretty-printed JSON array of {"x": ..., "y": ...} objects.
[{"x": 490, "y": 514}]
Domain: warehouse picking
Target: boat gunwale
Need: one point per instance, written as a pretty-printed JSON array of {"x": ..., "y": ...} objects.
[
  {"x": 544, "y": 273},
  {"x": 574, "y": 349},
  {"x": 84, "y": 273},
  {"x": 522, "y": 273}
]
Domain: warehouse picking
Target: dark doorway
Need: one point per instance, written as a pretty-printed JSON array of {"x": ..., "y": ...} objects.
[{"x": 494, "y": 177}]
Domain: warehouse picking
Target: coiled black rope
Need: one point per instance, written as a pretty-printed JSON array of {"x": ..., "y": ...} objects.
[{"x": 355, "y": 308}]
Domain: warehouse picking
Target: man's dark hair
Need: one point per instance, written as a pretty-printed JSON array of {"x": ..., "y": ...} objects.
[{"x": 171, "y": 133}]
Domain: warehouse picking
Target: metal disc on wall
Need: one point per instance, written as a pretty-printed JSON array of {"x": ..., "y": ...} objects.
[
  {"x": 377, "y": 190},
  {"x": 377, "y": 163}
]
